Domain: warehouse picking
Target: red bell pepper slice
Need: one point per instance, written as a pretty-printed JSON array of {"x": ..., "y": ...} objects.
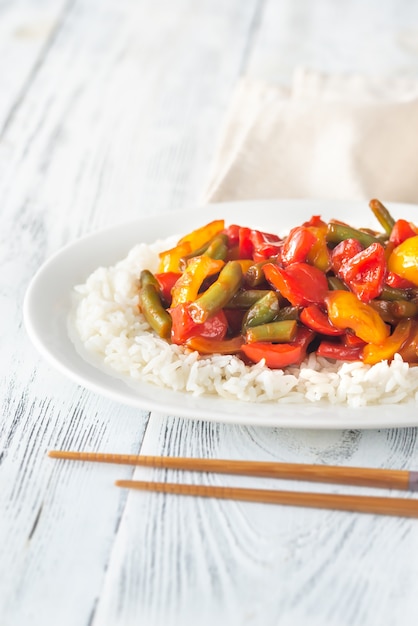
[
  {"x": 351, "y": 340},
  {"x": 232, "y": 232},
  {"x": 316, "y": 221},
  {"x": 265, "y": 245},
  {"x": 396, "y": 281},
  {"x": 245, "y": 245},
  {"x": 300, "y": 283},
  {"x": 344, "y": 251},
  {"x": 365, "y": 273},
  {"x": 183, "y": 327},
  {"x": 314, "y": 318},
  {"x": 339, "y": 351},
  {"x": 297, "y": 245},
  {"x": 166, "y": 281},
  {"x": 276, "y": 355},
  {"x": 279, "y": 355},
  {"x": 401, "y": 230}
]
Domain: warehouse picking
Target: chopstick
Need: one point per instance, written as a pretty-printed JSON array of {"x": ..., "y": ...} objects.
[
  {"x": 399, "y": 507},
  {"x": 359, "y": 476}
]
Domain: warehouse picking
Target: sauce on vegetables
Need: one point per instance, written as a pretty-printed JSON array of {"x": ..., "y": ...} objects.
[{"x": 348, "y": 294}]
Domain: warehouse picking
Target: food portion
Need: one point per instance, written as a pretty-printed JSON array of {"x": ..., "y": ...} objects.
[
  {"x": 326, "y": 311},
  {"x": 340, "y": 292}
]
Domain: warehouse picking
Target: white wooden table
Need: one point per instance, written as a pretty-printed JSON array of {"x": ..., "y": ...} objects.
[{"x": 111, "y": 110}]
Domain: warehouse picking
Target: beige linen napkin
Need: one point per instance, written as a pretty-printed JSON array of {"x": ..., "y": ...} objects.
[{"x": 325, "y": 137}]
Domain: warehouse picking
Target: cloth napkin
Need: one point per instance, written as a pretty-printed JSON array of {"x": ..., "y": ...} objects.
[{"x": 341, "y": 137}]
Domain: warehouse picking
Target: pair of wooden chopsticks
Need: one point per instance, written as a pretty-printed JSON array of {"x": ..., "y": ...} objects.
[{"x": 364, "y": 477}]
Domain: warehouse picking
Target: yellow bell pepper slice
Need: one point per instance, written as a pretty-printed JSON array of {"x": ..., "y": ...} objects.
[
  {"x": 197, "y": 238},
  {"x": 319, "y": 254},
  {"x": 374, "y": 353},
  {"x": 404, "y": 260},
  {"x": 170, "y": 260},
  {"x": 346, "y": 311},
  {"x": 187, "y": 286}
]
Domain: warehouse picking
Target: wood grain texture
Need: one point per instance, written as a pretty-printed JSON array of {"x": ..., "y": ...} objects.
[
  {"x": 376, "y": 41},
  {"x": 114, "y": 119},
  {"x": 111, "y": 111},
  {"x": 240, "y": 563}
]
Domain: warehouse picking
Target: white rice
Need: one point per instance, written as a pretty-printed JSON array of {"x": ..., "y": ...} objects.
[{"x": 107, "y": 320}]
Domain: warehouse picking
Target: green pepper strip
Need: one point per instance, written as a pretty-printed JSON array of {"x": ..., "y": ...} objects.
[
  {"x": 382, "y": 215},
  {"x": 262, "y": 311},
  {"x": 153, "y": 310},
  {"x": 277, "y": 332},
  {"x": 338, "y": 232},
  {"x": 218, "y": 294}
]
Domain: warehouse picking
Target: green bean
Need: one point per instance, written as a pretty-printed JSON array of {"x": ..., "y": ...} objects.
[
  {"x": 383, "y": 216},
  {"x": 153, "y": 310},
  {"x": 245, "y": 298},
  {"x": 384, "y": 309},
  {"x": 404, "y": 308},
  {"x": 391, "y": 311},
  {"x": 218, "y": 249},
  {"x": 392, "y": 293},
  {"x": 147, "y": 278},
  {"x": 255, "y": 275},
  {"x": 278, "y": 332},
  {"x": 288, "y": 313},
  {"x": 338, "y": 232},
  {"x": 262, "y": 311},
  {"x": 218, "y": 294},
  {"x": 203, "y": 249},
  {"x": 335, "y": 283}
]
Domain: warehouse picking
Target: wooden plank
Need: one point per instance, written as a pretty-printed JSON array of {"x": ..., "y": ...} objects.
[
  {"x": 132, "y": 128},
  {"x": 184, "y": 560},
  {"x": 377, "y": 40},
  {"x": 27, "y": 30},
  {"x": 118, "y": 121}
]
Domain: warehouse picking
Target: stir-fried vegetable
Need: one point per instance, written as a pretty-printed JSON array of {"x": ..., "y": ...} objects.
[{"x": 346, "y": 293}]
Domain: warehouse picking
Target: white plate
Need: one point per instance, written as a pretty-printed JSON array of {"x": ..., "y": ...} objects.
[{"x": 48, "y": 301}]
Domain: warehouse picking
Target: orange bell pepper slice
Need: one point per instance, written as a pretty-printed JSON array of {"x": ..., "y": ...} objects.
[
  {"x": 346, "y": 311},
  {"x": 374, "y": 353},
  {"x": 205, "y": 345}
]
